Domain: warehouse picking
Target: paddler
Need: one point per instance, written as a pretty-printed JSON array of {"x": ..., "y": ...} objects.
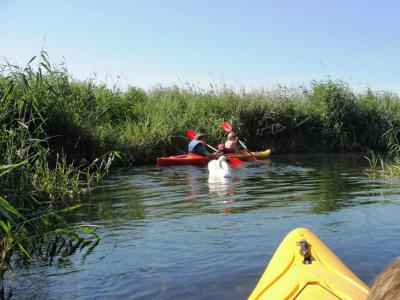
[
  {"x": 198, "y": 145},
  {"x": 231, "y": 143},
  {"x": 230, "y": 146}
]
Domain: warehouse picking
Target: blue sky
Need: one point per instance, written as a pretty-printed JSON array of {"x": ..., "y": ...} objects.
[{"x": 240, "y": 43}]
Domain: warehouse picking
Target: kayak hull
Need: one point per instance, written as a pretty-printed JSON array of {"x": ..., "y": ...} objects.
[
  {"x": 325, "y": 277},
  {"x": 200, "y": 160},
  {"x": 185, "y": 159}
]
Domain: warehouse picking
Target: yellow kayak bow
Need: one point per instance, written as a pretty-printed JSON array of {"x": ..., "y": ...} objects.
[{"x": 304, "y": 268}]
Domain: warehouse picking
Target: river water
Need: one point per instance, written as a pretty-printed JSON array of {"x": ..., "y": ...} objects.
[{"x": 169, "y": 233}]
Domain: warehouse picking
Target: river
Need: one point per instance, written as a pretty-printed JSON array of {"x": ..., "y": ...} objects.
[{"x": 169, "y": 233}]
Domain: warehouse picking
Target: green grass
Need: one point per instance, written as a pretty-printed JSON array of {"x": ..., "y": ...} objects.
[{"x": 38, "y": 182}]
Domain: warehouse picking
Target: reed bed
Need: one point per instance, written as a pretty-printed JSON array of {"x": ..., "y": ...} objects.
[{"x": 38, "y": 183}]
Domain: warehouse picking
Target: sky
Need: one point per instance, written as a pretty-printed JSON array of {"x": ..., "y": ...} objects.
[{"x": 248, "y": 43}]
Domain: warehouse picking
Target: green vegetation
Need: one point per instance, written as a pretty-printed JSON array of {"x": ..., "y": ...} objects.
[
  {"x": 59, "y": 136},
  {"x": 388, "y": 164},
  {"x": 38, "y": 183},
  {"x": 84, "y": 120}
]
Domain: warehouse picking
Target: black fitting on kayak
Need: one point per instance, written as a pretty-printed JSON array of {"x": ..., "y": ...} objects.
[{"x": 305, "y": 251}]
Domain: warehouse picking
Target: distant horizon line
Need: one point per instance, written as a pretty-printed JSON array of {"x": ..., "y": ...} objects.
[{"x": 206, "y": 83}]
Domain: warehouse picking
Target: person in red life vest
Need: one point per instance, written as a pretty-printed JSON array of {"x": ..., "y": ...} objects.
[
  {"x": 198, "y": 145},
  {"x": 230, "y": 146}
]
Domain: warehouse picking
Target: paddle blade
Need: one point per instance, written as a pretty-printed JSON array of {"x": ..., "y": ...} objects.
[
  {"x": 226, "y": 126},
  {"x": 235, "y": 161},
  {"x": 190, "y": 134}
]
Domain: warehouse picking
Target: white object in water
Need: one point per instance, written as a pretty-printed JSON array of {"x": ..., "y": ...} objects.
[
  {"x": 219, "y": 167},
  {"x": 220, "y": 185}
]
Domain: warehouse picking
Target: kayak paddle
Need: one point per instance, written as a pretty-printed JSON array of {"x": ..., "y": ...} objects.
[
  {"x": 233, "y": 160},
  {"x": 228, "y": 128}
]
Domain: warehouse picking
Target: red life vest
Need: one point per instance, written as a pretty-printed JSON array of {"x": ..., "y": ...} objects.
[{"x": 221, "y": 147}]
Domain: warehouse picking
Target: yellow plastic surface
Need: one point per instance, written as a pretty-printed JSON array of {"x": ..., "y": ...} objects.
[
  {"x": 245, "y": 155},
  {"x": 327, "y": 277}
]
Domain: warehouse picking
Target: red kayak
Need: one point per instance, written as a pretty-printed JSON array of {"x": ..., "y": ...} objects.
[{"x": 199, "y": 160}]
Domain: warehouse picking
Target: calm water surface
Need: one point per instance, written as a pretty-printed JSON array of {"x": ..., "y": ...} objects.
[{"x": 168, "y": 233}]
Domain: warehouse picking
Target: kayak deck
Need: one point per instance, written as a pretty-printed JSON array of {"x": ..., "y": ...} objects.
[
  {"x": 197, "y": 159},
  {"x": 323, "y": 276},
  {"x": 245, "y": 155}
]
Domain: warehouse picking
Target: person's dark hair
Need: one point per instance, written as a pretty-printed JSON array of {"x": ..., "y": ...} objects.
[
  {"x": 387, "y": 285},
  {"x": 200, "y": 136}
]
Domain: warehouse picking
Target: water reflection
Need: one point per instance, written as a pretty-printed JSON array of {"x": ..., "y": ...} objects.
[
  {"x": 224, "y": 189},
  {"x": 193, "y": 184},
  {"x": 221, "y": 186},
  {"x": 145, "y": 193}
]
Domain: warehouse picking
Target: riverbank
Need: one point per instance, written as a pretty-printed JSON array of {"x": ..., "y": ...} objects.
[{"x": 85, "y": 120}]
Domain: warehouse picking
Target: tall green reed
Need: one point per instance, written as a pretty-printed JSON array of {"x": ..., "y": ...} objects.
[{"x": 37, "y": 182}]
